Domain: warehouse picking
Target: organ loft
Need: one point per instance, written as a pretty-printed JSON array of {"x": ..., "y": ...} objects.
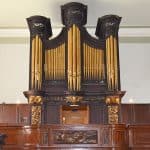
[{"x": 74, "y": 76}]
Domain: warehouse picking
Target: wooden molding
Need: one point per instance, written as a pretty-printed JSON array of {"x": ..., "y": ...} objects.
[{"x": 123, "y": 32}]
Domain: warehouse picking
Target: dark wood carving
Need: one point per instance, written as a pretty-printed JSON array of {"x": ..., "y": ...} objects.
[
  {"x": 75, "y": 137},
  {"x": 108, "y": 25},
  {"x": 74, "y": 13},
  {"x": 40, "y": 25}
]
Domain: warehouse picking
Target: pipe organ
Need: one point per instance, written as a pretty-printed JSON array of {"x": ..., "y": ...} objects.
[{"x": 74, "y": 68}]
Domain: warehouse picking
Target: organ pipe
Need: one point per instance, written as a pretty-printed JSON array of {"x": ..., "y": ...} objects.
[
  {"x": 36, "y": 63},
  {"x": 112, "y": 63},
  {"x": 93, "y": 63},
  {"x": 74, "y": 59},
  {"x": 55, "y": 63}
]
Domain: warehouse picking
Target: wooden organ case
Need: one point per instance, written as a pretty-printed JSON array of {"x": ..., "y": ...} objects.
[{"x": 74, "y": 77}]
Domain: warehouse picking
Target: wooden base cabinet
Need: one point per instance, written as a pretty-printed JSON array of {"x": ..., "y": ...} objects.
[{"x": 66, "y": 137}]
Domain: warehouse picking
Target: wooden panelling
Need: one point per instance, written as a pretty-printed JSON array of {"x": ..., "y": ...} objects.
[
  {"x": 139, "y": 137},
  {"x": 20, "y": 136},
  {"x": 117, "y": 137},
  {"x": 129, "y": 114},
  {"x": 141, "y": 114},
  {"x": 135, "y": 113},
  {"x": 8, "y": 113},
  {"x": 15, "y": 114},
  {"x": 108, "y": 137},
  {"x": 101, "y": 137},
  {"x": 126, "y": 114}
]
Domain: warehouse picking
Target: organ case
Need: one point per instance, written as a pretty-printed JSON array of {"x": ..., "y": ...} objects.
[{"x": 74, "y": 69}]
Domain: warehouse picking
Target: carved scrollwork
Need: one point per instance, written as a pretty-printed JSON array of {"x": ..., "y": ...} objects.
[
  {"x": 36, "y": 115},
  {"x": 74, "y": 100},
  {"x": 113, "y": 100},
  {"x": 36, "y": 102},
  {"x": 113, "y": 117}
]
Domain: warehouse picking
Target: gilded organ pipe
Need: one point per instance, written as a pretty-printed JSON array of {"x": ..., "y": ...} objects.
[
  {"x": 93, "y": 63},
  {"x": 78, "y": 60},
  {"x": 36, "y": 63},
  {"x": 35, "y": 60},
  {"x": 90, "y": 62},
  {"x": 112, "y": 63},
  {"x": 55, "y": 63},
  {"x": 87, "y": 60},
  {"x": 74, "y": 59},
  {"x": 32, "y": 63},
  {"x": 116, "y": 63},
  {"x": 70, "y": 58},
  {"x": 40, "y": 64},
  {"x": 97, "y": 65}
]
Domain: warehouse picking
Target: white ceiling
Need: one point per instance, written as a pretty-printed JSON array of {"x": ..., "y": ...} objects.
[{"x": 133, "y": 12}]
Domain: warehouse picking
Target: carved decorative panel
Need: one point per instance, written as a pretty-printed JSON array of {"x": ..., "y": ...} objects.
[{"x": 75, "y": 137}]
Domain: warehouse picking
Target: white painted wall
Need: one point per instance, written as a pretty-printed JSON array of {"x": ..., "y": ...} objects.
[
  {"x": 14, "y": 70},
  {"x": 134, "y": 65},
  {"x": 133, "y": 12},
  {"x": 135, "y": 72}
]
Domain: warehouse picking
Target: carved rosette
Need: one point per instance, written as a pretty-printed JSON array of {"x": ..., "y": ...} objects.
[
  {"x": 113, "y": 109},
  {"x": 36, "y": 102}
]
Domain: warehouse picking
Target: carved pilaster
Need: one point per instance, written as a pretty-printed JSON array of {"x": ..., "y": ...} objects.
[
  {"x": 36, "y": 102},
  {"x": 113, "y": 109},
  {"x": 113, "y": 117}
]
